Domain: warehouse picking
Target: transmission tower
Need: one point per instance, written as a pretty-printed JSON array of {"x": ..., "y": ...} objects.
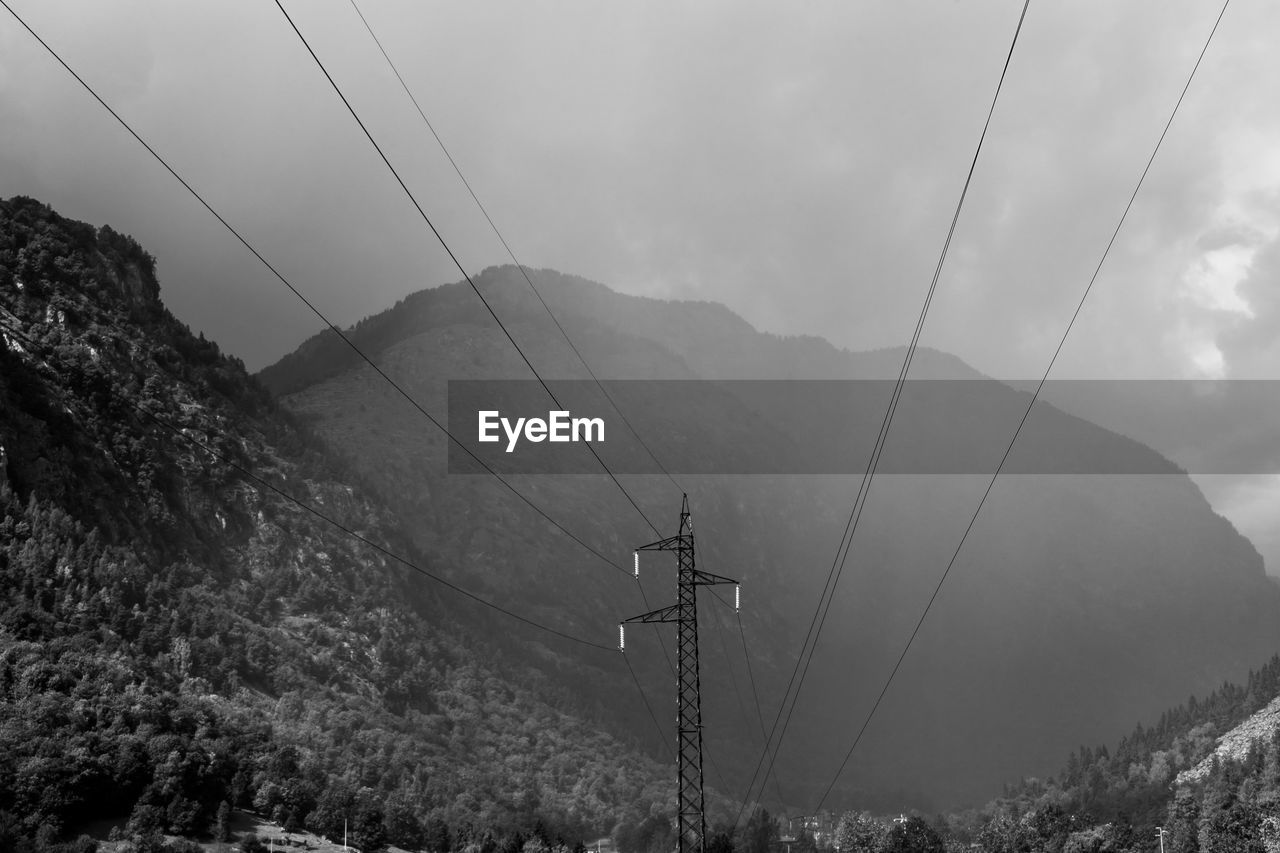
[{"x": 691, "y": 821}]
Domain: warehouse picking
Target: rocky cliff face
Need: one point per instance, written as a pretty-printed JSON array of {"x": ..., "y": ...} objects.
[{"x": 1234, "y": 745}]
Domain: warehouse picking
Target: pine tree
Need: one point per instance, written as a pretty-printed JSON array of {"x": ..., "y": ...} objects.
[
  {"x": 222, "y": 823},
  {"x": 1183, "y": 823},
  {"x": 436, "y": 836},
  {"x": 761, "y": 830},
  {"x": 1226, "y": 824}
]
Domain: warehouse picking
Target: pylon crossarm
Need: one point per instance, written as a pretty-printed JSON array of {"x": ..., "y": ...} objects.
[
  {"x": 702, "y": 578},
  {"x": 671, "y": 543},
  {"x": 662, "y": 614}
]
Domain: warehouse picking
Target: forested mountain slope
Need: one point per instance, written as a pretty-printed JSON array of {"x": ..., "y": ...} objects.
[{"x": 179, "y": 638}]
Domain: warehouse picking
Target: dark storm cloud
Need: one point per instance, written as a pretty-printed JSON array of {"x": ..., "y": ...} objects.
[{"x": 798, "y": 165}]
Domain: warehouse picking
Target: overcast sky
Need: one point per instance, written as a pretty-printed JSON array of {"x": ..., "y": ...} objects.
[{"x": 797, "y": 162}]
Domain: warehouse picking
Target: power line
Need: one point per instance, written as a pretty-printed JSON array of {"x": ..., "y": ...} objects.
[
  {"x": 842, "y": 552},
  {"x": 1026, "y": 414},
  {"x": 746, "y": 654},
  {"x": 645, "y": 698},
  {"x": 715, "y": 767},
  {"x": 519, "y": 266},
  {"x": 661, "y": 642},
  {"x": 818, "y": 621},
  {"x": 313, "y": 510},
  {"x": 524, "y": 273},
  {"x": 324, "y": 319},
  {"x": 333, "y": 327},
  {"x": 755, "y": 694},
  {"x": 733, "y": 678},
  {"x": 422, "y": 213}
]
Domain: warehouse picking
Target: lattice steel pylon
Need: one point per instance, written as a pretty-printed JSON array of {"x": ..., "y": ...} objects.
[{"x": 691, "y": 822}]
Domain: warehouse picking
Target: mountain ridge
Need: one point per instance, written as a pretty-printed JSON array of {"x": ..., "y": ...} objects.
[{"x": 572, "y": 297}]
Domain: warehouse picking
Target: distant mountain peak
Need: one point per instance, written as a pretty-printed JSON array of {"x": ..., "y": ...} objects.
[{"x": 707, "y": 338}]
